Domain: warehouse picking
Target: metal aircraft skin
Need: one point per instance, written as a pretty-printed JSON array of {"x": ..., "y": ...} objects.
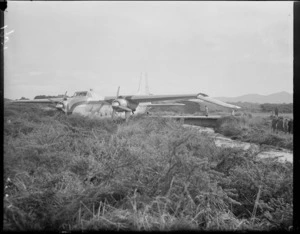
[{"x": 91, "y": 104}]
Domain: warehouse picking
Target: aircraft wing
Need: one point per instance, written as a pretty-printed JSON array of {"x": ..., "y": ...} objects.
[
  {"x": 195, "y": 100},
  {"x": 204, "y": 98},
  {"x": 152, "y": 98},
  {"x": 217, "y": 102},
  {"x": 165, "y": 104},
  {"x": 183, "y": 97}
]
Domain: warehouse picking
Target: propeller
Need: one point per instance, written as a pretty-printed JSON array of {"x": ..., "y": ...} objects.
[
  {"x": 65, "y": 96},
  {"x": 118, "y": 92},
  {"x": 65, "y": 103},
  {"x": 61, "y": 105},
  {"x": 114, "y": 111},
  {"x": 117, "y": 106}
]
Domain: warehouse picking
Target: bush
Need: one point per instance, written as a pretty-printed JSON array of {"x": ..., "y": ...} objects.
[
  {"x": 253, "y": 129},
  {"x": 73, "y": 173}
]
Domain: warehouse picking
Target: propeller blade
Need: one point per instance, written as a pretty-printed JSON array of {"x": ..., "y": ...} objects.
[
  {"x": 118, "y": 92},
  {"x": 65, "y": 96}
]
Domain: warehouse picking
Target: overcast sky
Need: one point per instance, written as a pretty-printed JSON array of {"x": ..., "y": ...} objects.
[{"x": 218, "y": 48}]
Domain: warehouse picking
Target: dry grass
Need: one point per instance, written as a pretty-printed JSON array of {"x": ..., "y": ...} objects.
[{"x": 72, "y": 173}]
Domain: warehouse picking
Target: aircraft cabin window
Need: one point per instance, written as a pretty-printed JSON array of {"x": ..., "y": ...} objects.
[{"x": 80, "y": 94}]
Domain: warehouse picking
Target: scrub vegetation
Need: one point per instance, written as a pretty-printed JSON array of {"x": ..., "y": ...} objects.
[
  {"x": 69, "y": 173},
  {"x": 255, "y": 109},
  {"x": 253, "y": 129}
]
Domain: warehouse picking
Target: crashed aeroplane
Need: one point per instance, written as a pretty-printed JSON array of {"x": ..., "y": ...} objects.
[{"x": 88, "y": 102}]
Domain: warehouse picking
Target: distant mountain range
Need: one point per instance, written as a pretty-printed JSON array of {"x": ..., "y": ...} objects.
[{"x": 281, "y": 97}]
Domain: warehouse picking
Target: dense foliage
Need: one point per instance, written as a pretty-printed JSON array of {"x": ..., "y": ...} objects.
[
  {"x": 282, "y": 108},
  {"x": 254, "y": 130},
  {"x": 196, "y": 108},
  {"x": 266, "y": 107},
  {"x": 74, "y": 173},
  {"x": 47, "y": 96}
]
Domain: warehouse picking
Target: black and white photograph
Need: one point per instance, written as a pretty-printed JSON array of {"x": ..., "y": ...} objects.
[{"x": 148, "y": 115}]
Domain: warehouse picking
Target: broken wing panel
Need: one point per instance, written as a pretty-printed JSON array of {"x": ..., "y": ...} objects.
[{"x": 217, "y": 102}]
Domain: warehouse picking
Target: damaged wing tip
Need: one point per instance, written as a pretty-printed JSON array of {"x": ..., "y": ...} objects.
[{"x": 202, "y": 94}]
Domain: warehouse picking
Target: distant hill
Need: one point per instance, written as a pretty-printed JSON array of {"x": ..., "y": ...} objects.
[
  {"x": 7, "y": 100},
  {"x": 281, "y": 97}
]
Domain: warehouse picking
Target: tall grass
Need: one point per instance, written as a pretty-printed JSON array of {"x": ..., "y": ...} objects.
[
  {"x": 255, "y": 130},
  {"x": 74, "y": 173}
]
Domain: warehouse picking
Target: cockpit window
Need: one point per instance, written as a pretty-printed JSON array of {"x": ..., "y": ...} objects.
[{"x": 80, "y": 94}]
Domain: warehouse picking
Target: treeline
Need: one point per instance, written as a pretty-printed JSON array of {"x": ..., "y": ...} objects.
[
  {"x": 283, "y": 108},
  {"x": 266, "y": 107},
  {"x": 46, "y": 96},
  {"x": 191, "y": 108}
]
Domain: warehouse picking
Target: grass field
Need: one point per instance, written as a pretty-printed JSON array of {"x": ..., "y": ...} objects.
[{"x": 73, "y": 173}]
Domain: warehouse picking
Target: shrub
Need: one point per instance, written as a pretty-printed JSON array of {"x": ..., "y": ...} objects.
[
  {"x": 254, "y": 130},
  {"x": 74, "y": 173}
]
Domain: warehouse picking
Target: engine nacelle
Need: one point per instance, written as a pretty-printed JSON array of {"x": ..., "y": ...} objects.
[
  {"x": 62, "y": 106},
  {"x": 120, "y": 102}
]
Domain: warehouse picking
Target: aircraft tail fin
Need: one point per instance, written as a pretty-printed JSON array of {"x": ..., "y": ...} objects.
[{"x": 143, "y": 85}]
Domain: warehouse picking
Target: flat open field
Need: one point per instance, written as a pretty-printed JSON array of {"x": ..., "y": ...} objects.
[{"x": 68, "y": 173}]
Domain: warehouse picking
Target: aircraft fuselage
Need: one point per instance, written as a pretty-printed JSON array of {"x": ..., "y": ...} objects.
[{"x": 86, "y": 103}]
